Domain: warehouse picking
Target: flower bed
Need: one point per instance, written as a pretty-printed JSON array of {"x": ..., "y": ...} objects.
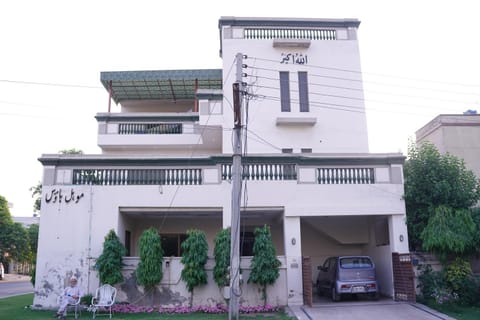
[{"x": 220, "y": 308}]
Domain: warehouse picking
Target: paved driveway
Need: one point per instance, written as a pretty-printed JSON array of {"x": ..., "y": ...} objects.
[{"x": 363, "y": 310}]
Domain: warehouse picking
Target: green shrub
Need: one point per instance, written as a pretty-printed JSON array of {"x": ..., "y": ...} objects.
[
  {"x": 86, "y": 299},
  {"x": 265, "y": 265},
  {"x": 469, "y": 291},
  {"x": 32, "y": 275},
  {"x": 432, "y": 284},
  {"x": 222, "y": 258},
  {"x": 149, "y": 269},
  {"x": 457, "y": 272},
  {"x": 194, "y": 258},
  {"x": 109, "y": 264}
]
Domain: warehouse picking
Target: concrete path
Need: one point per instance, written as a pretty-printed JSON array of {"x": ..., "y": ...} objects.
[{"x": 390, "y": 310}]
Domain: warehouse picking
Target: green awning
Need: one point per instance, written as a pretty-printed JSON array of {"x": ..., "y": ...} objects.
[{"x": 160, "y": 84}]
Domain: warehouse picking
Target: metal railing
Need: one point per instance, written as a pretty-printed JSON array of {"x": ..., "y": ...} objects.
[
  {"x": 310, "y": 34},
  {"x": 263, "y": 171},
  {"x": 346, "y": 175},
  {"x": 174, "y": 176},
  {"x": 150, "y": 128}
]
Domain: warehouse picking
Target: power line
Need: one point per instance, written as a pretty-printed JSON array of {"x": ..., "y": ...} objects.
[
  {"x": 377, "y": 74},
  {"x": 360, "y": 81},
  {"x": 51, "y": 84}
]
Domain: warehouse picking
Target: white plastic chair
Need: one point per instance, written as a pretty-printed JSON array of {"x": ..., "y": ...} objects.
[
  {"x": 70, "y": 305},
  {"x": 104, "y": 298}
]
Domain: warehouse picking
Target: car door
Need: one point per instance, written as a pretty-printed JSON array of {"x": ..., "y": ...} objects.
[
  {"x": 324, "y": 274},
  {"x": 331, "y": 273}
]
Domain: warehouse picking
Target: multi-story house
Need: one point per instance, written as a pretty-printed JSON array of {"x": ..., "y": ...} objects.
[
  {"x": 457, "y": 134},
  {"x": 166, "y": 163}
]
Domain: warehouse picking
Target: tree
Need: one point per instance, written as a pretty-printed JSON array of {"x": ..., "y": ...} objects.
[
  {"x": 222, "y": 258},
  {"x": 5, "y": 216},
  {"x": 36, "y": 191},
  {"x": 32, "y": 232},
  {"x": 149, "y": 270},
  {"x": 70, "y": 151},
  {"x": 433, "y": 180},
  {"x": 265, "y": 265},
  {"x": 5, "y": 222},
  {"x": 449, "y": 233},
  {"x": 14, "y": 241},
  {"x": 109, "y": 263},
  {"x": 194, "y": 258}
]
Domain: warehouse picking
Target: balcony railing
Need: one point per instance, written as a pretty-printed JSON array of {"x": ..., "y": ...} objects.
[
  {"x": 187, "y": 176},
  {"x": 150, "y": 128},
  {"x": 263, "y": 171},
  {"x": 346, "y": 175},
  {"x": 133, "y": 170},
  {"x": 311, "y": 34}
]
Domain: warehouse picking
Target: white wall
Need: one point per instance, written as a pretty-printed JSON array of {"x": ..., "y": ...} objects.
[{"x": 336, "y": 130}]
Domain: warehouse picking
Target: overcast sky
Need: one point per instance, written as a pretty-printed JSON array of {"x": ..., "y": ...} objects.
[{"x": 419, "y": 59}]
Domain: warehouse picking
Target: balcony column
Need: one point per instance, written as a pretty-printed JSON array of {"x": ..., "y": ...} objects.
[{"x": 293, "y": 254}]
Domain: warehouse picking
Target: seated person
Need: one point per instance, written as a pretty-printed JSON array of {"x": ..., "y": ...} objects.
[{"x": 71, "y": 295}]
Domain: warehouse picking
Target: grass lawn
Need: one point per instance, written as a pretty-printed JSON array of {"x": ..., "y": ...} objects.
[
  {"x": 457, "y": 312},
  {"x": 16, "y": 308}
]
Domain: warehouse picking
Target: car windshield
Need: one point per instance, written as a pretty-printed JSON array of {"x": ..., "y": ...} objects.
[{"x": 355, "y": 262}]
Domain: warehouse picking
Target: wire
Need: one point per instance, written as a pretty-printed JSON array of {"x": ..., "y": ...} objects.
[
  {"x": 375, "y": 74},
  {"x": 51, "y": 84}
]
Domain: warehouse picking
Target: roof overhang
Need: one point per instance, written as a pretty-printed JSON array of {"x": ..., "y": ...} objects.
[{"x": 159, "y": 84}]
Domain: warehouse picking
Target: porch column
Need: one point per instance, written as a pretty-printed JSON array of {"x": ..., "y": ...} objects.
[
  {"x": 398, "y": 233},
  {"x": 293, "y": 254}
]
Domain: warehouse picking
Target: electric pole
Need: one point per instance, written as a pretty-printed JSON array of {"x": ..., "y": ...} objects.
[{"x": 233, "y": 309}]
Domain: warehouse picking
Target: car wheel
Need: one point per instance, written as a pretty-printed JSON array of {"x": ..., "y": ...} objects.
[{"x": 335, "y": 294}]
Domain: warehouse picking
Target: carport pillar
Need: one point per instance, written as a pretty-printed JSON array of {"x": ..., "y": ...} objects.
[
  {"x": 293, "y": 254},
  {"x": 398, "y": 233}
]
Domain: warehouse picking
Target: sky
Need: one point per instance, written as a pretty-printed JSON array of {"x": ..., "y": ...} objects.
[{"x": 419, "y": 59}]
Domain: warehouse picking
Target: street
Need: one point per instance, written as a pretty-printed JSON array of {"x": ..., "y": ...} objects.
[{"x": 14, "y": 288}]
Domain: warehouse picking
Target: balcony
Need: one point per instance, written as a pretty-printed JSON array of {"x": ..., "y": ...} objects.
[{"x": 155, "y": 132}]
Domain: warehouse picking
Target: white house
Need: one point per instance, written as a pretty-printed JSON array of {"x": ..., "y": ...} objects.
[{"x": 167, "y": 157}]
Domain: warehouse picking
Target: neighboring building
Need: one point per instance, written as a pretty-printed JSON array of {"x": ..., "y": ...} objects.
[
  {"x": 167, "y": 157},
  {"x": 457, "y": 134},
  {"x": 26, "y": 221}
]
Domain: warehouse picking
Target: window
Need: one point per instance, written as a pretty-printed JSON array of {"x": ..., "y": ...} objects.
[
  {"x": 128, "y": 241},
  {"x": 172, "y": 244},
  {"x": 306, "y": 150},
  {"x": 303, "y": 91},
  {"x": 287, "y": 150},
  {"x": 355, "y": 263},
  {"x": 285, "y": 91},
  {"x": 246, "y": 243}
]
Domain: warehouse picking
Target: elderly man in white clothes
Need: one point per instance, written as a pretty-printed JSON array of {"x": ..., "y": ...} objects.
[{"x": 71, "y": 295}]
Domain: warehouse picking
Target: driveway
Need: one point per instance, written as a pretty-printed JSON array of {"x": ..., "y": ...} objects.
[{"x": 367, "y": 310}]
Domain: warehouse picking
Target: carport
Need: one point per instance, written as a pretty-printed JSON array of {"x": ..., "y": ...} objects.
[{"x": 325, "y": 236}]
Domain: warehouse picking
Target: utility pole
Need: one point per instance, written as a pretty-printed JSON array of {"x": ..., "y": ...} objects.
[{"x": 233, "y": 309}]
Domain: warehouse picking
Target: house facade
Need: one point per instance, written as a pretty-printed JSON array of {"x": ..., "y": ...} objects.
[
  {"x": 457, "y": 134},
  {"x": 166, "y": 163}
]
